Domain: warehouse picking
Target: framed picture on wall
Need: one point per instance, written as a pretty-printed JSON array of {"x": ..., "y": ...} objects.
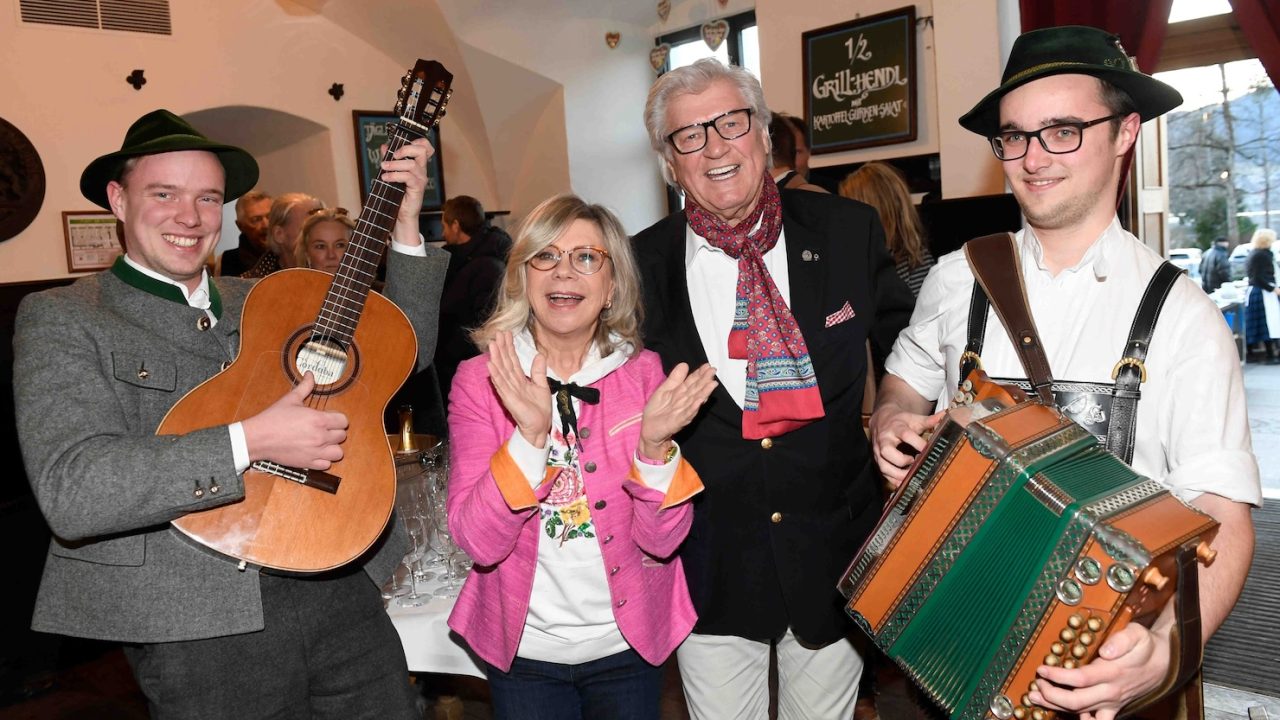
[
  {"x": 92, "y": 240},
  {"x": 370, "y": 134},
  {"x": 860, "y": 82}
]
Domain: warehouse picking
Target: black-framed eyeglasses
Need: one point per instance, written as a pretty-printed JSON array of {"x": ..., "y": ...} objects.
[
  {"x": 587, "y": 259},
  {"x": 1059, "y": 139},
  {"x": 731, "y": 126}
]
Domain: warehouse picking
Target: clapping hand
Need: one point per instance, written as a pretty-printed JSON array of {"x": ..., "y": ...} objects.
[
  {"x": 672, "y": 406},
  {"x": 526, "y": 398}
]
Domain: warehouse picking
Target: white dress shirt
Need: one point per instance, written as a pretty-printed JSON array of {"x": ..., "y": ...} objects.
[
  {"x": 1192, "y": 427},
  {"x": 712, "y": 277}
]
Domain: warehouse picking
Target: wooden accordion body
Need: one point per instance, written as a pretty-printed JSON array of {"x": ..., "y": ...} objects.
[{"x": 1015, "y": 540}]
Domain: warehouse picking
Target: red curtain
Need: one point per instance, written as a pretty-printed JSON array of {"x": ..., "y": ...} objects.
[
  {"x": 1141, "y": 25},
  {"x": 1259, "y": 20}
]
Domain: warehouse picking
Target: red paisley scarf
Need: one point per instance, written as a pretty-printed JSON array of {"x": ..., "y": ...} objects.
[{"x": 782, "y": 389}]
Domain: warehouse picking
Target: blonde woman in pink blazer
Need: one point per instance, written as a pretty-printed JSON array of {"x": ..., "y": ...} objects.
[{"x": 565, "y": 487}]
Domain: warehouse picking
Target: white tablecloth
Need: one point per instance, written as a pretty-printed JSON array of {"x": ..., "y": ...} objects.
[{"x": 429, "y": 645}]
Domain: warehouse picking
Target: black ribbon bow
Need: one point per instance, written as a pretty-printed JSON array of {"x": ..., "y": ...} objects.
[{"x": 563, "y": 391}]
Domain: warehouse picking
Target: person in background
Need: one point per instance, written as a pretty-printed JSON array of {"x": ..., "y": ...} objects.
[
  {"x": 882, "y": 186},
  {"x": 790, "y": 154},
  {"x": 324, "y": 238},
  {"x": 99, "y": 363},
  {"x": 1065, "y": 115},
  {"x": 284, "y": 223},
  {"x": 566, "y": 487},
  {"x": 477, "y": 261},
  {"x": 251, "y": 218},
  {"x": 781, "y": 291},
  {"x": 1262, "y": 308},
  {"x": 1215, "y": 266}
]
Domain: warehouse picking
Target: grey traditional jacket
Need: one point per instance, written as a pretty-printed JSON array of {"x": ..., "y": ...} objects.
[{"x": 97, "y": 365}]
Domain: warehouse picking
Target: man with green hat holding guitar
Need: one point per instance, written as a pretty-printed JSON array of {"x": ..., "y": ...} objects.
[
  {"x": 1065, "y": 116},
  {"x": 99, "y": 363}
]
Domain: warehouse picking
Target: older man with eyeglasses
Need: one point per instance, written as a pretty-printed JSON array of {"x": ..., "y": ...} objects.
[
  {"x": 1062, "y": 121},
  {"x": 780, "y": 290}
]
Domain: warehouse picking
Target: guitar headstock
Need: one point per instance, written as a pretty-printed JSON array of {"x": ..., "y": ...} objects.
[{"x": 424, "y": 93}]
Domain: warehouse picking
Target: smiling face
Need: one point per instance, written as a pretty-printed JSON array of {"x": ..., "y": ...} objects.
[
  {"x": 326, "y": 243},
  {"x": 567, "y": 304},
  {"x": 726, "y": 176},
  {"x": 171, "y": 207},
  {"x": 1071, "y": 191}
]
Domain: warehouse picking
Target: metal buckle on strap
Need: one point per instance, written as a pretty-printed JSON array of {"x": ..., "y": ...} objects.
[
  {"x": 972, "y": 357},
  {"x": 1131, "y": 362}
]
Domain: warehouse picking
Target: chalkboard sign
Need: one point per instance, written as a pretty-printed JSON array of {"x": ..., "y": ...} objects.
[
  {"x": 860, "y": 80},
  {"x": 371, "y": 133}
]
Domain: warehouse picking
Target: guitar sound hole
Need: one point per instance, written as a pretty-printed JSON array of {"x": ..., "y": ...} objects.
[{"x": 324, "y": 357}]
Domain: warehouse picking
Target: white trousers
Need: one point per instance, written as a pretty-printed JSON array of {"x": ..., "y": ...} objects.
[{"x": 727, "y": 677}]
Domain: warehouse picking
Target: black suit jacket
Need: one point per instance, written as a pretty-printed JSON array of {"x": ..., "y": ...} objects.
[{"x": 777, "y": 526}]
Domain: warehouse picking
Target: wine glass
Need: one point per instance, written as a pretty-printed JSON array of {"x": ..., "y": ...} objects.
[{"x": 416, "y": 531}]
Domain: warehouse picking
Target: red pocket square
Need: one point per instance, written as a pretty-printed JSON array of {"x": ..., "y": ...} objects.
[{"x": 841, "y": 315}]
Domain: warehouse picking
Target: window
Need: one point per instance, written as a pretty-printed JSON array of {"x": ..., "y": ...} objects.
[{"x": 740, "y": 47}]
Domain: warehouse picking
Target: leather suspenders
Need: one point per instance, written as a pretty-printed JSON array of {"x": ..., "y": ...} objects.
[{"x": 999, "y": 282}]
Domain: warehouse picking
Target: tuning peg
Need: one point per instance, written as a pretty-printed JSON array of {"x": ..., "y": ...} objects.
[
  {"x": 1205, "y": 554},
  {"x": 1155, "y": 578},
  {"x": 442, "y": 114},
  {"x": 448, "y": 95},
  {"x": 399, "y": 108}
]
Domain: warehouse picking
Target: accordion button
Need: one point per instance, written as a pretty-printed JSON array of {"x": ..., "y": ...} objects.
[
  {"x": 1057, "y": 649},
  {"x": 1068, "y": 635},
  {"x": 776, "y": 517},
  {"x": 1086, "y": 638},
  {"x": 1075, "y": 621},
  {"x": 1094, "y": 623},
  {"x": 1052, "y": 660},
  {"x": 766, "y": 443},
  {"x": 1079, "y": 650}
]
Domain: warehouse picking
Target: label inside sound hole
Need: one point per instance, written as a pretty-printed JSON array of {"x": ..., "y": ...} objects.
[{"x": 324, "y": 358}]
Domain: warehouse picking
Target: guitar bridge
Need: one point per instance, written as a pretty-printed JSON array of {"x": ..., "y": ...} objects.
[{"x": 317, "y": 479}]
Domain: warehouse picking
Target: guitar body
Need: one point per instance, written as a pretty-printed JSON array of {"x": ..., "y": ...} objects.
[{"x": 283, "y": 523}]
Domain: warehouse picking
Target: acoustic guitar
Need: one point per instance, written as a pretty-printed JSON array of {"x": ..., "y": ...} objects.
[{"x": 359, "y": 346}]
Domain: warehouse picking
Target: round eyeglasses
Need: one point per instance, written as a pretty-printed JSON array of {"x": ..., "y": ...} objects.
[
  {"x": 1059, "y": 139},
  {"x": 692, "y": 138},
  {"x": 586, "y": 259}
]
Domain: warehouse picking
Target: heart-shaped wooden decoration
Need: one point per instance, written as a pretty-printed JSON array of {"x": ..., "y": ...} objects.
[
  {"x": 664, "y": 9},
  {"x": 714, "y": 33},
  {"x": 612, "y": 38},
  {"x": 658, "y": 56}
]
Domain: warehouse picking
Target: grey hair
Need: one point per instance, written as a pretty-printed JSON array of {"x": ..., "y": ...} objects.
[
  {"x": 544, "y": 225},
  {"x": 248, "y": 199},
  {"x": 693, "y": 79}
]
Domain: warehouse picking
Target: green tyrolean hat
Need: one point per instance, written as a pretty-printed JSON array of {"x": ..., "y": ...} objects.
[
  {"x": 1071, "y": 49},
  {"x": 160, "y": 131}
]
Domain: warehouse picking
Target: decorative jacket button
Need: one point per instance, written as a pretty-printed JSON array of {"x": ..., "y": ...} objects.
[
  {"x": 590, "y": 466},
  {"x": 622, "y": 602},
  {"x": 600, "y": 504},
  {"x": 199, "y": 492},
  {"x": 143, "y": 374},
  {"x": 225, "y": 364},
  {"x": 766, "y": 443},
  {"x": 584, "y": 432},
  {"x": 776, "y": 517},
  {"x": 214, "y": 489},
  {"x": 204, "y": 323},
  {"x": 614, "y": 570}
]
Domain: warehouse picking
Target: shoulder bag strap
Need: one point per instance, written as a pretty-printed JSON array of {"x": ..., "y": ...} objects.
[
  {"x": 1131, "y": 371},
  {"x": 995, "y": 265}
]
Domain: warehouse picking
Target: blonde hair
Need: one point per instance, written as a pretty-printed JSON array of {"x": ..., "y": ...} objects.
[
  {"x": 543, "y": 226},
  {"x": 338, "y": 215},
  {"x": 882, "y": 187},
  {"x": 1263, "y": 238}
]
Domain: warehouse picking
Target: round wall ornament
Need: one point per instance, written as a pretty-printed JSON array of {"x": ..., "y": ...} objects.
[{"x": 21, "y": 181}]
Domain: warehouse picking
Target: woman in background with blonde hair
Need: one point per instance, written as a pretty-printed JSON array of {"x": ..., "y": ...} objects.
[
  {"x": 323, "y": 240},
  {"x": 882, "y": 187},
  {"x": 1262, "y": 309}
]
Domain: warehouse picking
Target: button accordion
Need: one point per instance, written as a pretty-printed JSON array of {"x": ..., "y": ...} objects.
[{"x": 1016, "y": 540}]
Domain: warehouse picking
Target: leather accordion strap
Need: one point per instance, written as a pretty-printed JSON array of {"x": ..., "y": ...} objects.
[
  {"x": 972, "y": 358},
  {"x": 1186, "y": 644},
  {"x": 995, "y": 265},
  {"x": 1131, "y": 372}
]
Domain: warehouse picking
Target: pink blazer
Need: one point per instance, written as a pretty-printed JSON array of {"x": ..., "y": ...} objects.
[{"x": 493, "y": 510}]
